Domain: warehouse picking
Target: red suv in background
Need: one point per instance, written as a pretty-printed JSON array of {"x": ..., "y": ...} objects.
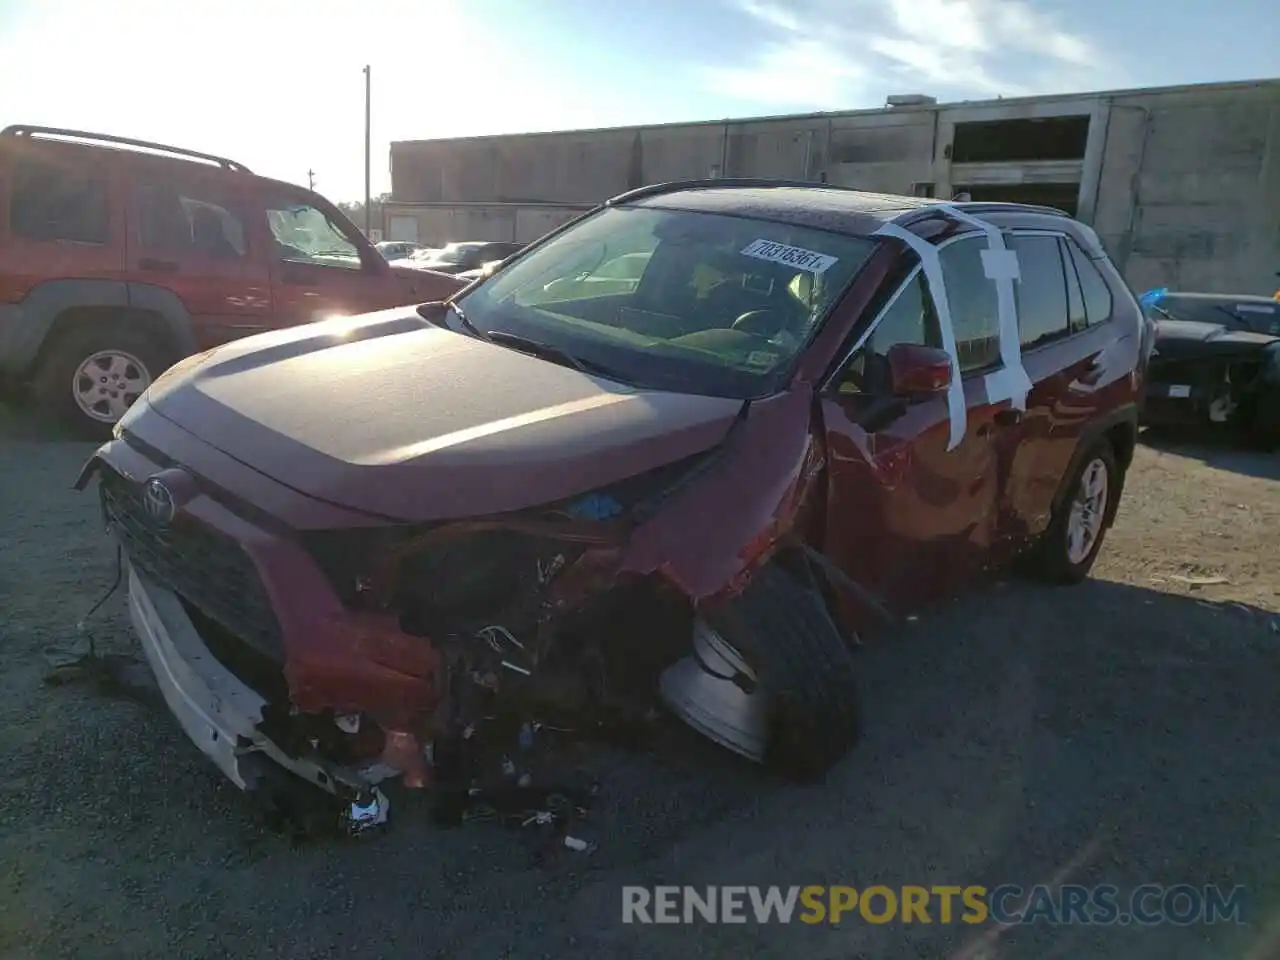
[
  {"x": 549, "y": 496},
  {"x": 119, "y": 257}
]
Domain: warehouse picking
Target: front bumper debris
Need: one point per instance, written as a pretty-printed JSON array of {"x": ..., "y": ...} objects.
[{"x": 221, "y": 714}]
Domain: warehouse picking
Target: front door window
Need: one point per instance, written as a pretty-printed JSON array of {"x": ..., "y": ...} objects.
[{"x": 304, "y": 234}]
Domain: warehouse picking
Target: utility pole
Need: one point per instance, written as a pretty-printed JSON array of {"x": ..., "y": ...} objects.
[
  {"x": 368, "y": 100},
  {"x": 311, "y": 179}
]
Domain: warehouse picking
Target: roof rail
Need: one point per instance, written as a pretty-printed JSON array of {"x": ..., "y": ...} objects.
[
  {"x": 657, "y": 189},
  {"x": 1004, "y": 206},
  {"x": 26, "y": 130}
]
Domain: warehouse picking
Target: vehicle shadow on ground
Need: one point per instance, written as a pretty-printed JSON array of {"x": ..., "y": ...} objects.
[
  {"x": 19, "y": 421},
  {"x": 1218, "y": 449},
  {"x": 1098, "y": 734}
]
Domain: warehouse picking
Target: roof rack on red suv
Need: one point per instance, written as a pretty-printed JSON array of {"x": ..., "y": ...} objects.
[{"x": 61, "y": 133}]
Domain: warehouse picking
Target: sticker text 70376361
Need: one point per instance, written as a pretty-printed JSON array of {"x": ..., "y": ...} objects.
[{"x": 783, "y": 253}]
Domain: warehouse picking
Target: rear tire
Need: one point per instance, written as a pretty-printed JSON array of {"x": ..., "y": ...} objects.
[
  {"x": 91, "y": 373},
  {"x": 781, "y": 627},
  {"x": 1054, "y": 559},
  {"x": 1264, "y": 427}
]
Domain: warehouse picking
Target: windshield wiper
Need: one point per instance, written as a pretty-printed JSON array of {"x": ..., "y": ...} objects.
[
  {"x": 470, "y": 327},
  {"x": 552, "y": 353}
]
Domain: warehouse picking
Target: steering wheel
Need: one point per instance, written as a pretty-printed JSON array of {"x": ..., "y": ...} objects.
[{"x": 767, "y": 323}]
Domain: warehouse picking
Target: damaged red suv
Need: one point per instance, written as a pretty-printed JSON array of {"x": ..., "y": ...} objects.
[{"x": 683, "y": 449}]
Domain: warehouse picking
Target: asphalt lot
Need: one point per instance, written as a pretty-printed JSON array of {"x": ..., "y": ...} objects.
[{"x": 1122, "y": 732}]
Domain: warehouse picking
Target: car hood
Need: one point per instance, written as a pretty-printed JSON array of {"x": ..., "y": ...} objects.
[
  {"x": 420, "y": 285},
  {"x": 390, "y": 415}
]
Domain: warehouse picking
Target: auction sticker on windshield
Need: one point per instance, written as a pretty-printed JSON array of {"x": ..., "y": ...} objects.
[{"x": 797, "y": 257}]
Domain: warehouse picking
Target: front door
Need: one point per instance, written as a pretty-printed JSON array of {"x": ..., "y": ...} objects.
[
  {"x": 187, "y": 234},
  {"x": 319, "y": 269},
  {"x": 907, "y": 517}
]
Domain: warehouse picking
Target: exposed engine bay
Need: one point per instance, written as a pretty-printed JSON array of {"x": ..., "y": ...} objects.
[{"x": 524, "y": 629}]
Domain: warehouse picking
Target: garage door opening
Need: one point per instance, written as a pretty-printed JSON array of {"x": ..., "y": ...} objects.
[{"x": 1005, "y": 141}]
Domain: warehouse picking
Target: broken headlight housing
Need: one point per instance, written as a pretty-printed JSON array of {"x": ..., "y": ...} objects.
[{"x": 456, "y": 578}]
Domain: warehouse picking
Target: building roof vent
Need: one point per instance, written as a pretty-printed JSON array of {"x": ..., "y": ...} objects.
[{"x": 910, "y": 100}]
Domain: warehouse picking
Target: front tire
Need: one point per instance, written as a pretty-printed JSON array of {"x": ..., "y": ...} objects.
[
  {"x": 92, "y": 374},
  {"x": 805, "y": 672},
  {"x": 1069, "y": 547}
]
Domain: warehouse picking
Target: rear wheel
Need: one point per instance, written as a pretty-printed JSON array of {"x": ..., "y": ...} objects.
[
  {"x": 1264, "y": 427},
  {"x": 1070, "y": 545},
  {"x": 92, "y": 374},
  {"x": 771, "y": 678}
]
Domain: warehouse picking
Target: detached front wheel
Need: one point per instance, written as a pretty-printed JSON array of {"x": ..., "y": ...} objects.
[{"x": 771, "y": 678}]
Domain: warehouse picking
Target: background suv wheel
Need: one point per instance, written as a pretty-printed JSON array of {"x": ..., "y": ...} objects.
[{"x": 92, "y": 374}]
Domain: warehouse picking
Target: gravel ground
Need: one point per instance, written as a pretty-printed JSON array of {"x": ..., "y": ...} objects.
[{"x": 1117, "y": 732}]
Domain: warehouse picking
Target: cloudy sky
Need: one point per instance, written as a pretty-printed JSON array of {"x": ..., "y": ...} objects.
[{"x": 277, "y": 84}]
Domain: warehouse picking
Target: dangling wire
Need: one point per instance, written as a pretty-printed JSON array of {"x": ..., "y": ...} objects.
[{"x": 81, "y": 626}]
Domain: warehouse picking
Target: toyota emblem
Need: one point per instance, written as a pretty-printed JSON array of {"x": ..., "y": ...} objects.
[{"x": 158, "y": 502}]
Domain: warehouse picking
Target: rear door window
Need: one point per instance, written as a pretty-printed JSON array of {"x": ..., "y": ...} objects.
[
  {"x": 1097, "y": 295},
  {"x": 56, "y": 203},
  {"x": 180, "y": 223},
  {"x": 1041, "y": 290}
]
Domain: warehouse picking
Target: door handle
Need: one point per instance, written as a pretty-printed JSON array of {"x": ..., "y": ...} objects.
[
  {"x": 1009, "y": 417},
  {"x": 158, "y": 266}
]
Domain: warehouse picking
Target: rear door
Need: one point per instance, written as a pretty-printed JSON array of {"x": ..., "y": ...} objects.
[
  {"x": 906, "y": 516},
  {"x": 1064, "y": 313},
  {"x": 187, "y": 233}
]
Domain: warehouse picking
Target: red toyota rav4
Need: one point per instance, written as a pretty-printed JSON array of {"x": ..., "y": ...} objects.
[
  {"x": 352, "y": 543},
  {"x": 119, "y": 257}
]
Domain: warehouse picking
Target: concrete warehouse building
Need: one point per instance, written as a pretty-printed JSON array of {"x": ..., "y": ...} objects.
[{"x": 1181, "y": 183}]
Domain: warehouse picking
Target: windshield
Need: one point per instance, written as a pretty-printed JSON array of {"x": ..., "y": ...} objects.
[{"x": 703, "y": 303}]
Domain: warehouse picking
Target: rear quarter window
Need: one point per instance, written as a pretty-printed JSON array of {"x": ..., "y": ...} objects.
[
  {"x": 1098, "y": 303},
  {"x": 55, "y": 203}
]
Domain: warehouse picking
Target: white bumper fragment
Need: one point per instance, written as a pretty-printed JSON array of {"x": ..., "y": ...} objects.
[{"x": 219, "y": 712}]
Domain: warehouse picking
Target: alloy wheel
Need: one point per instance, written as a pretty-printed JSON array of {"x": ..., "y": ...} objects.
[
  {"x": 1088, "y": 512},
  {"x": 107, "y": 383}
]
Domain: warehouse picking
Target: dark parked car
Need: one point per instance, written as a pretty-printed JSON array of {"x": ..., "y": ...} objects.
[
  {"x": 1216, "y": 360},
  {"x": 398, "y": 249},
  {"x": 467, "y": 255},
  {"x": 806, "y": 411}
]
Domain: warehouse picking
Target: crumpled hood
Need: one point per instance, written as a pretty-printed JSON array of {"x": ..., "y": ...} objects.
[{"x": 393, "y": 416}]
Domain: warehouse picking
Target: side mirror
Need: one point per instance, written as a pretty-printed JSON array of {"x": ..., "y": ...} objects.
[{"x": 916, "y": 371}]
